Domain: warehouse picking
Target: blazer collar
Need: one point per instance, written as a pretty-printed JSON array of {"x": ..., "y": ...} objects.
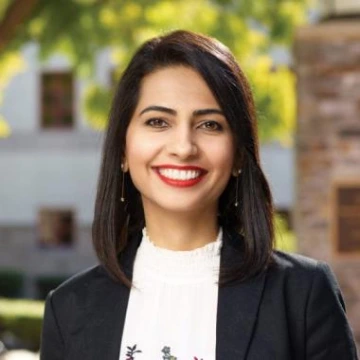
[
  {"x": 238, "y": 306},
  {"x": 236, "y": 315}
]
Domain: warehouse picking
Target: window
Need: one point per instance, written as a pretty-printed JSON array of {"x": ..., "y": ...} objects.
[
  {"x": 346, "y": 213},
  {"x": 57, "y": 100},
  {"x": 56, "y": 228}
]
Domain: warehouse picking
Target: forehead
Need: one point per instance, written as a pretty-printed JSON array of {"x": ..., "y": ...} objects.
[{"x": 176, "y": 86}]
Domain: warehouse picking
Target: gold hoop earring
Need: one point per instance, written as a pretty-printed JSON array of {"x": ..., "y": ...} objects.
[
  {"x": 122, "y": 198},
  {"x": 237, "y": 186}
]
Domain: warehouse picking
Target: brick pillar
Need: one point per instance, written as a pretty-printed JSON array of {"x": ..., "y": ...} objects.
[{"x": 327, "y": 64}]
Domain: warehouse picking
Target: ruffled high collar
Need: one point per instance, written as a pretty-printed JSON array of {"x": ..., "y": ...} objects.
[{"x": 170, "y": 265}]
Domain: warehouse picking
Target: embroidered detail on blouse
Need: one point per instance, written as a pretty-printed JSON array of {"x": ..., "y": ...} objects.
[
  {"x": 130, "y": 355},
  {"x": 131, "y": 352},
  {"x": 167, "y": 353}
]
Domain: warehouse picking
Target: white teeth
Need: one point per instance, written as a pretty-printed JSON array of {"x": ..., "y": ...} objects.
[{"x": 179, "y": 174}]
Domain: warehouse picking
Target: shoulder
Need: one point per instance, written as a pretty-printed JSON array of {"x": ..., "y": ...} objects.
[
  {"x": 300, "y": 273},
  {"x": 302, "y": 276},
  {"x": 293, "y": 259},
  {"x": 82, "y": 284},
  {"x": 291, "y": 264},
  {"x": 311, "y": 295},
  {"x": 72, "y": 302}
]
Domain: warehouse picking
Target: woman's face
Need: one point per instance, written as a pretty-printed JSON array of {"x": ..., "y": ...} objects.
[{"x": 179, "y": 146}]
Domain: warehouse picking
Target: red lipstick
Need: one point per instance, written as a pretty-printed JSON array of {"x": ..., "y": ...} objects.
[{"x": 180, "y": 167}]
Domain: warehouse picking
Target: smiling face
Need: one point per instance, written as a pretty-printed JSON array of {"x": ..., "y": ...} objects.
[{"x": 179, "y": 146}]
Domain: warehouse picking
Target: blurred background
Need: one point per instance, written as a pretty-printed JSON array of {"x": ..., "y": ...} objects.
[{"x": 59, "y": 63}]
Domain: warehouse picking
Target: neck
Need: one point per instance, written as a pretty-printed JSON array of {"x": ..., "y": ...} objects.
[{"x": 181, "y": 231}]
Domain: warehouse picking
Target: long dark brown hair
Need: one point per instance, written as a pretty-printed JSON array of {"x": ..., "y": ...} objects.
[{"x": 116, "y": 223}]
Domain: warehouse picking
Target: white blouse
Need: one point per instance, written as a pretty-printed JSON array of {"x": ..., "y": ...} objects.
[{"x": 172, "y": 309}]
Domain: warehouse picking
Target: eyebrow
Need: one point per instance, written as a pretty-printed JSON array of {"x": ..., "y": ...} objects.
[{"x": 173, "y": 112}]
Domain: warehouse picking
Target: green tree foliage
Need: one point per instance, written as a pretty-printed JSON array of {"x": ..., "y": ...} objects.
[
  {"x": 285, "y": 238},
  {"x": 80, "y": 28},
  {"x": 10, "y": 64}
]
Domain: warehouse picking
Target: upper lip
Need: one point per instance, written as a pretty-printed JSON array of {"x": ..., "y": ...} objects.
[{"x": 179, "y": 167}]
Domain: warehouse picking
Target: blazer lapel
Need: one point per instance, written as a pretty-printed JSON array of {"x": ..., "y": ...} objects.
[
  {"x": 238, "y": 306},
  {"x": 103, "y": 333},
  {"x": 103, "y": 316}
]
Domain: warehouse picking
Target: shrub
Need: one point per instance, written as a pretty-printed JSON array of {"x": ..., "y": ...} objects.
[
  {"x": 11, "y": 283},
  {"x": 47, "y": 283}
]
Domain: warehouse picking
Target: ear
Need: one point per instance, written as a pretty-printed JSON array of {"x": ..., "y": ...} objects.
[
  {"x": 124, "y": 165},
  {"x": 238, "y": 163}
]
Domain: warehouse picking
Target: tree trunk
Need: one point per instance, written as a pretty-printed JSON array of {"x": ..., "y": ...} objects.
[{"x": 17, "y": 12}]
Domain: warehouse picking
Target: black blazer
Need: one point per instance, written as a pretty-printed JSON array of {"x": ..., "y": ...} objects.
[{"x": 293, "y": 311}]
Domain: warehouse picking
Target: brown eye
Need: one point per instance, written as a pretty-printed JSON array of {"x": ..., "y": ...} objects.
[
  {"x": 156, "y": 123},
  {"x": 211, "y": 125}
]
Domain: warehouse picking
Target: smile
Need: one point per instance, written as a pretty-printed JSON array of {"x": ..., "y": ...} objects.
[{"x": 180, "y": 176}]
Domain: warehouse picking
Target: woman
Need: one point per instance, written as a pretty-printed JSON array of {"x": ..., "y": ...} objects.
[{"x": 183, "y": 230}]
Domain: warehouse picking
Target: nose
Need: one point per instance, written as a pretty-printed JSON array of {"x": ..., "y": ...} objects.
[{"x": 183, "y": 143}]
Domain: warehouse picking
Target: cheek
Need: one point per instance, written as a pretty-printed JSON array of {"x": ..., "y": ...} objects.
[
  {"x": 222, "y": 156},
  {"x": 140, "y": 150}
]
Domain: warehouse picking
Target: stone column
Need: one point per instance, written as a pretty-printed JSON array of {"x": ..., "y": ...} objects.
[{"x": 327, "y": 209}]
